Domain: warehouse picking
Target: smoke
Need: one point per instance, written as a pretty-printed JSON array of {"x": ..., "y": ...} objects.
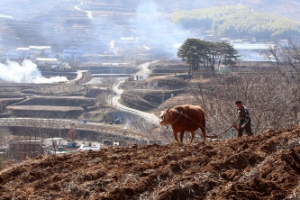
[
  {"x": 6, "y": 16},
  {"x": 156, "y": 30},
  {"x": 112, "y": 44},
  {"x": 22, "y": 9},
  {"x": 25, "y": 73},
  {"x": 150, "y": 28}
]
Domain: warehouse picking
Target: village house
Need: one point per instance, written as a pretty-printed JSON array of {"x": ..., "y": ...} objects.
[
  {"x": 253, "y": 52},
  {"x": 23, "y": 52},
  {"x": 31, "y": 52},
  {"x": 11, "y": 55},
  {"x": 40, "y": 50},
  {"x": 139, "y": 76},
  {"x": 72, "y": 53},
  {"x": 47, "y": 63}
]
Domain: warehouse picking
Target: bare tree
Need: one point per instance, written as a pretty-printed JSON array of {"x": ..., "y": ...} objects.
[
  {"x": 102, "y": 100},
  {"x": 2, "y": 106},
  {"x": 110, "y": 81},
  {"x": 72, "y": 134},
  {"x": 268, "y": 97},
  {"x": 286, "y": 60},
  {"x": 4, "y": 135}
]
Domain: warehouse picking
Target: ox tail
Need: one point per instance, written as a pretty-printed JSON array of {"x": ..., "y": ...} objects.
[
  {"x": 216, "y": 136},
  {"x": 206, "y": 115}
]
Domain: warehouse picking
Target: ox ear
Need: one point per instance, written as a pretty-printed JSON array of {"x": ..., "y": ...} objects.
[
  {"x": 176, "y": 112},
  {"x": 166, "y": 111},
  {"x": 173, "y": 110},
  {"x": 163, "y": 113}
]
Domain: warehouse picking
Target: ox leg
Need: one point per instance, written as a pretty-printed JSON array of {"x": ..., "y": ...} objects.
[
  {"x": 193, "y": 135},
  {"x": 181, "y": 136},
  {"x": 175, "y": 136},
  {"x": 203, "y": 133}
]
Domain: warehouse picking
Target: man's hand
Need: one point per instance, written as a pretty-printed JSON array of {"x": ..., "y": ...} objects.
[
  {"x": 236, "y": 127},
  {"x": 243, "y": 125}
]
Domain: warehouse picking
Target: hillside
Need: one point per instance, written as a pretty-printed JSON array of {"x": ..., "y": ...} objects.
[
  {"x": 238, "y": 22},
  {"x": 92, "y": 25},
  {"x": 266, "y": 166},
  {"x": 287, "y": 8}
]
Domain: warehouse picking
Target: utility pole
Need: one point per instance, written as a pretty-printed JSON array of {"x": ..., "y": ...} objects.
[
  {"x": 59, "y": 128},
  {"x": 163, "y": 98}
]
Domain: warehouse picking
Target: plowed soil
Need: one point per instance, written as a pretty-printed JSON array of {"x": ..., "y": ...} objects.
[{"x": 266, "y": 166}]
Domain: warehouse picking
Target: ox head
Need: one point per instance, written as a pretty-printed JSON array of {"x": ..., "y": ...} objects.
[{"x": 166, "y": 117}]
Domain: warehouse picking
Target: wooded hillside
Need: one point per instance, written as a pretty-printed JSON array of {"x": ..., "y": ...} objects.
[{"x": 238, "y": 22}]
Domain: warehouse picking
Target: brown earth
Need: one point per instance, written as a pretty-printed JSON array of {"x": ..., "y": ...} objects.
[{"x": 265, "y": 166}]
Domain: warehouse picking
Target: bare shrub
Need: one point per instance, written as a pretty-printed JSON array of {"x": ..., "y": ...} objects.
[
  {"x": 270, "y": 100},
  {"x": 286, "y": 61},
  {"x": 72, "y": 134}
]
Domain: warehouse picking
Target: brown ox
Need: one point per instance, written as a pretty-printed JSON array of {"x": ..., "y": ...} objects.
[{"x": 184, "y": 118}]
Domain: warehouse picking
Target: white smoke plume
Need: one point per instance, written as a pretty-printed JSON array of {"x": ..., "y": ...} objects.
[
  {"x": 6, "y": 16},
  {"x": 112, "y": 44},
  {"x": 25, "y": 73},
  {"x": 153, "y": 26}
]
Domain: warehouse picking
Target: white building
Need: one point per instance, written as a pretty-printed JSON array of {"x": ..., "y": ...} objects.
[
  {"x": 23, "y": 52},
  {"x": 253, "y": 52},
  {"x": 47, "y": 61},
  {"x": 28, "y": 52},
  {"x": 283, "y": 43},
  {"x": 253, "y": 47},
  {"x": 11, "y": 55},
  {"x": 139, "y": 76},
  {"x": 38, "y": 50}
]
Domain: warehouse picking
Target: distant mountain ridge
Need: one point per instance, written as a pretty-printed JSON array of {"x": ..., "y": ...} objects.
[
  {"x": 238, "y": 22},
  {"x": 59, "y": 24},
  {"x": 286, "y": 8}
]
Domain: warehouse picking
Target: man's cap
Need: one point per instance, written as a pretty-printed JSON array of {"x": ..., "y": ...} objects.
[{"x": 238, "y": 101}]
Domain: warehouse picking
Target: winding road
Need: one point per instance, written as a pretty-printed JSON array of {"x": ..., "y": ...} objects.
[
  {"x": 88, "y": 13},
  {"x": 149, "y": 117}
]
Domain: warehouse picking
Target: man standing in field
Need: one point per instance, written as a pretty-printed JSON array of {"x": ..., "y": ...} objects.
[{"x": 244, "y": 119}]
